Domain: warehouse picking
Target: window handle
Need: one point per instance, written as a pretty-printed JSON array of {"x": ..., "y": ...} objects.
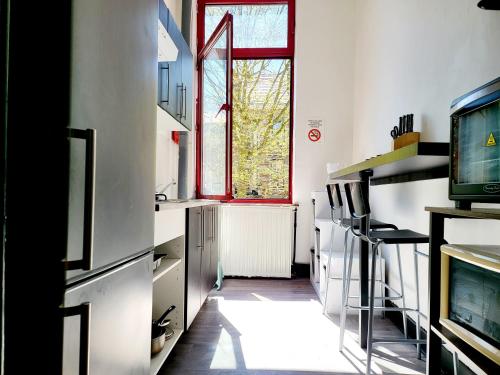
[{"x": 224, "y": 107}]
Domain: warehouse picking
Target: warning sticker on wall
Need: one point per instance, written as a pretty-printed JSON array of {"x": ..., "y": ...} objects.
[
  {"x": 491, "y": 141},
  {"x": 315, "y": 123}
]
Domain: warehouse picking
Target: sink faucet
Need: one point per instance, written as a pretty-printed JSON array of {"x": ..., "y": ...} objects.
[{"x": 162, "y": 191}]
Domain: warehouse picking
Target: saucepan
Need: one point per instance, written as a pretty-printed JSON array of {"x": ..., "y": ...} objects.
[{"x": 160, "y": 332}]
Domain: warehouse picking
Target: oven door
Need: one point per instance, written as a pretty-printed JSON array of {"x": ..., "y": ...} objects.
[{"x": 470, "y": 296}]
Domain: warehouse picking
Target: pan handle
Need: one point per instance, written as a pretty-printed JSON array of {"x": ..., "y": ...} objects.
[
  {"x": 164, "y": 315},
  {"x": 84, "y": 311}
]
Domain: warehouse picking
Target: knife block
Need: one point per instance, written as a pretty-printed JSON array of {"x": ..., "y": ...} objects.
[{"x": 405, "y": 140}]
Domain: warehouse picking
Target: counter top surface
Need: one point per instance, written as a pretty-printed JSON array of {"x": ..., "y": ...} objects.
[
  {"x": 173, "y": 205},
  {"x": 474, "y": 213}
]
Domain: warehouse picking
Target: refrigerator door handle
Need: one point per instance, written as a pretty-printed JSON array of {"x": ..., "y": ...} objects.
[
  {"x": 84, "y": 311},
  {"x": 89, "y": 135},
  {"x": 213, "y": 224}
]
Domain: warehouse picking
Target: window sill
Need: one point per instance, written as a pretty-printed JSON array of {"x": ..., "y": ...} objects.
[{"x": 259, "y": 202}]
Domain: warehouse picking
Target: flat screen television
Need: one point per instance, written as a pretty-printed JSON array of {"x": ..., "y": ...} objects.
[{"x": 475, "y": 146}]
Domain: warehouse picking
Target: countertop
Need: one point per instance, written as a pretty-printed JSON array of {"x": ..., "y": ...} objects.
[{"x": 168, "y": 205}]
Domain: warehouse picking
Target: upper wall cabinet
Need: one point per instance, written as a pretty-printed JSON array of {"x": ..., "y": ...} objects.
[{"x": 175, "y": 77}]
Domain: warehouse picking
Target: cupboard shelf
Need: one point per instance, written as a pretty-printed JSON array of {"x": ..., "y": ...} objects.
[
  {"x": 166, "y": 265},
  {"x": 158, "y": 359}
]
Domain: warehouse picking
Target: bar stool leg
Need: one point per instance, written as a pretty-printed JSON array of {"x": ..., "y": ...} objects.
[
  {"x": 417, "y": 292},
  {"x": 405, "y": 328},
  {"x": 344, "y": 271},
  {"x": 345, "y": 301},
  {"x": 371, "y": 303},
  {"x": 328, "y": 269},
  {"x": 382, "y": 287}
]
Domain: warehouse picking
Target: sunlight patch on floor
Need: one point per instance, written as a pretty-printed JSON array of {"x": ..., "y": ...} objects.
[
  {"x": 224, "y": 357},
  {"x": 294, "y": 336}
]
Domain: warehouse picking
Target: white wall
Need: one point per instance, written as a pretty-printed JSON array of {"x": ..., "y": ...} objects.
[
  {"x": 416, "y": 56},
  {"x": 167, "y": 163},
  {"x": 324, "y": 53},
  {"x": 175, "y": 7}
]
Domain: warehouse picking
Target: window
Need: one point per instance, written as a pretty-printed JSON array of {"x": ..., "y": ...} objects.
[{"x": 245, "y": 155}]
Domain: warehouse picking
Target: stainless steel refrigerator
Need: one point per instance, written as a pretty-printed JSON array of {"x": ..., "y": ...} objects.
[
  {"x": 112, "y": 127},
  {"x": 78, "y": 79}
]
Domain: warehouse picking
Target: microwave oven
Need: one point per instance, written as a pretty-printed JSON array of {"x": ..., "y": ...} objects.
[{"x": 475, "y": 146}]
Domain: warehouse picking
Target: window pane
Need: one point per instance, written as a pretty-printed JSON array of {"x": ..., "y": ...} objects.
[
  {"x": 255, "y": 26},
  {"x": 261, "y": 128},
  {"x": 214, "y": 120}
]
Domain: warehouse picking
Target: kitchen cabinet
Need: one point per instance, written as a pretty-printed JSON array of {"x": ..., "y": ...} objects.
[
  {"x": 202, "y": 257},
  {"x": 175, "y": 78},
  {"x": 187, "y": 82},
  {"x": 168, "y": 290},
  {"x": 193, "y": 267}
]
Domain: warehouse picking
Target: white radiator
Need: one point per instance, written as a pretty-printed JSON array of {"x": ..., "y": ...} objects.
[{"x": 257, "y": 240}]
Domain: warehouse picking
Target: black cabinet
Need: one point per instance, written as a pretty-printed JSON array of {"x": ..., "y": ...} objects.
[
  {"x": 187, "y": 86},
  {"x": 193, "y": 264},
  {"x": 175, "y": 78},
  {"x": 202, "y": 257}
]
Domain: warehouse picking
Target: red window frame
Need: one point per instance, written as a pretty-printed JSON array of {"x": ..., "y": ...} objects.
[
  {"x": 225, "y": 25},
  {"x": 241, "y": 54}
]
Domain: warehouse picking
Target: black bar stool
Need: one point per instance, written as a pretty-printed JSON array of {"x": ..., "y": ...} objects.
[
  {"x": 336, "y": 206},
  {"x": 359, "y": 208}
]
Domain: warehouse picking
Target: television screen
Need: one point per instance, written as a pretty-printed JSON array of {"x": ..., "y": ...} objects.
[
  {"x": 475, "y": 299},
  {"x": 478, "y": 146}
]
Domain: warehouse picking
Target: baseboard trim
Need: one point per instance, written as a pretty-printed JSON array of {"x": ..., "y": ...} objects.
[{"x": 300, "y": 270}]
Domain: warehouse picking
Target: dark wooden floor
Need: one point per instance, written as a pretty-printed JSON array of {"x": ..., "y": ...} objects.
[{"x": 276, "y": 327}]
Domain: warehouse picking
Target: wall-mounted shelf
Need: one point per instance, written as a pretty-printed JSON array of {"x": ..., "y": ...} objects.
[
  {"x": 166, "y": 265},
  {"x": 418, "y": 161},
  {"x": 158, "y": 359}
]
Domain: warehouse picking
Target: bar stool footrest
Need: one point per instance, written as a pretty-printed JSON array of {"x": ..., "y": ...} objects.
[
  {"x": 382, "y": 308},
  {"x": 390, "y": 340}
]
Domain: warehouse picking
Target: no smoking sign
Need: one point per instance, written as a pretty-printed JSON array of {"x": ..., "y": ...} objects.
[
  {"x": 314, "y": 135},
  {"x": 314, "y": 132}
]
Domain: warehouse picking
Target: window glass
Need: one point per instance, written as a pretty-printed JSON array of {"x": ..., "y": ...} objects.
[
  {"x": 255, "y": 26},
  {"x": 261, "y": 128},
  {"x": 213, "y": 168}
]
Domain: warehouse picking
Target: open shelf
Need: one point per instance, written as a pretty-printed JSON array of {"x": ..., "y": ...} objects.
[
  {"x": 418, "y": 161},
  {"x": 467, "y": 354},
  {"x": 165, "y": 266},
  {"x": 158, "y": 359}
]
